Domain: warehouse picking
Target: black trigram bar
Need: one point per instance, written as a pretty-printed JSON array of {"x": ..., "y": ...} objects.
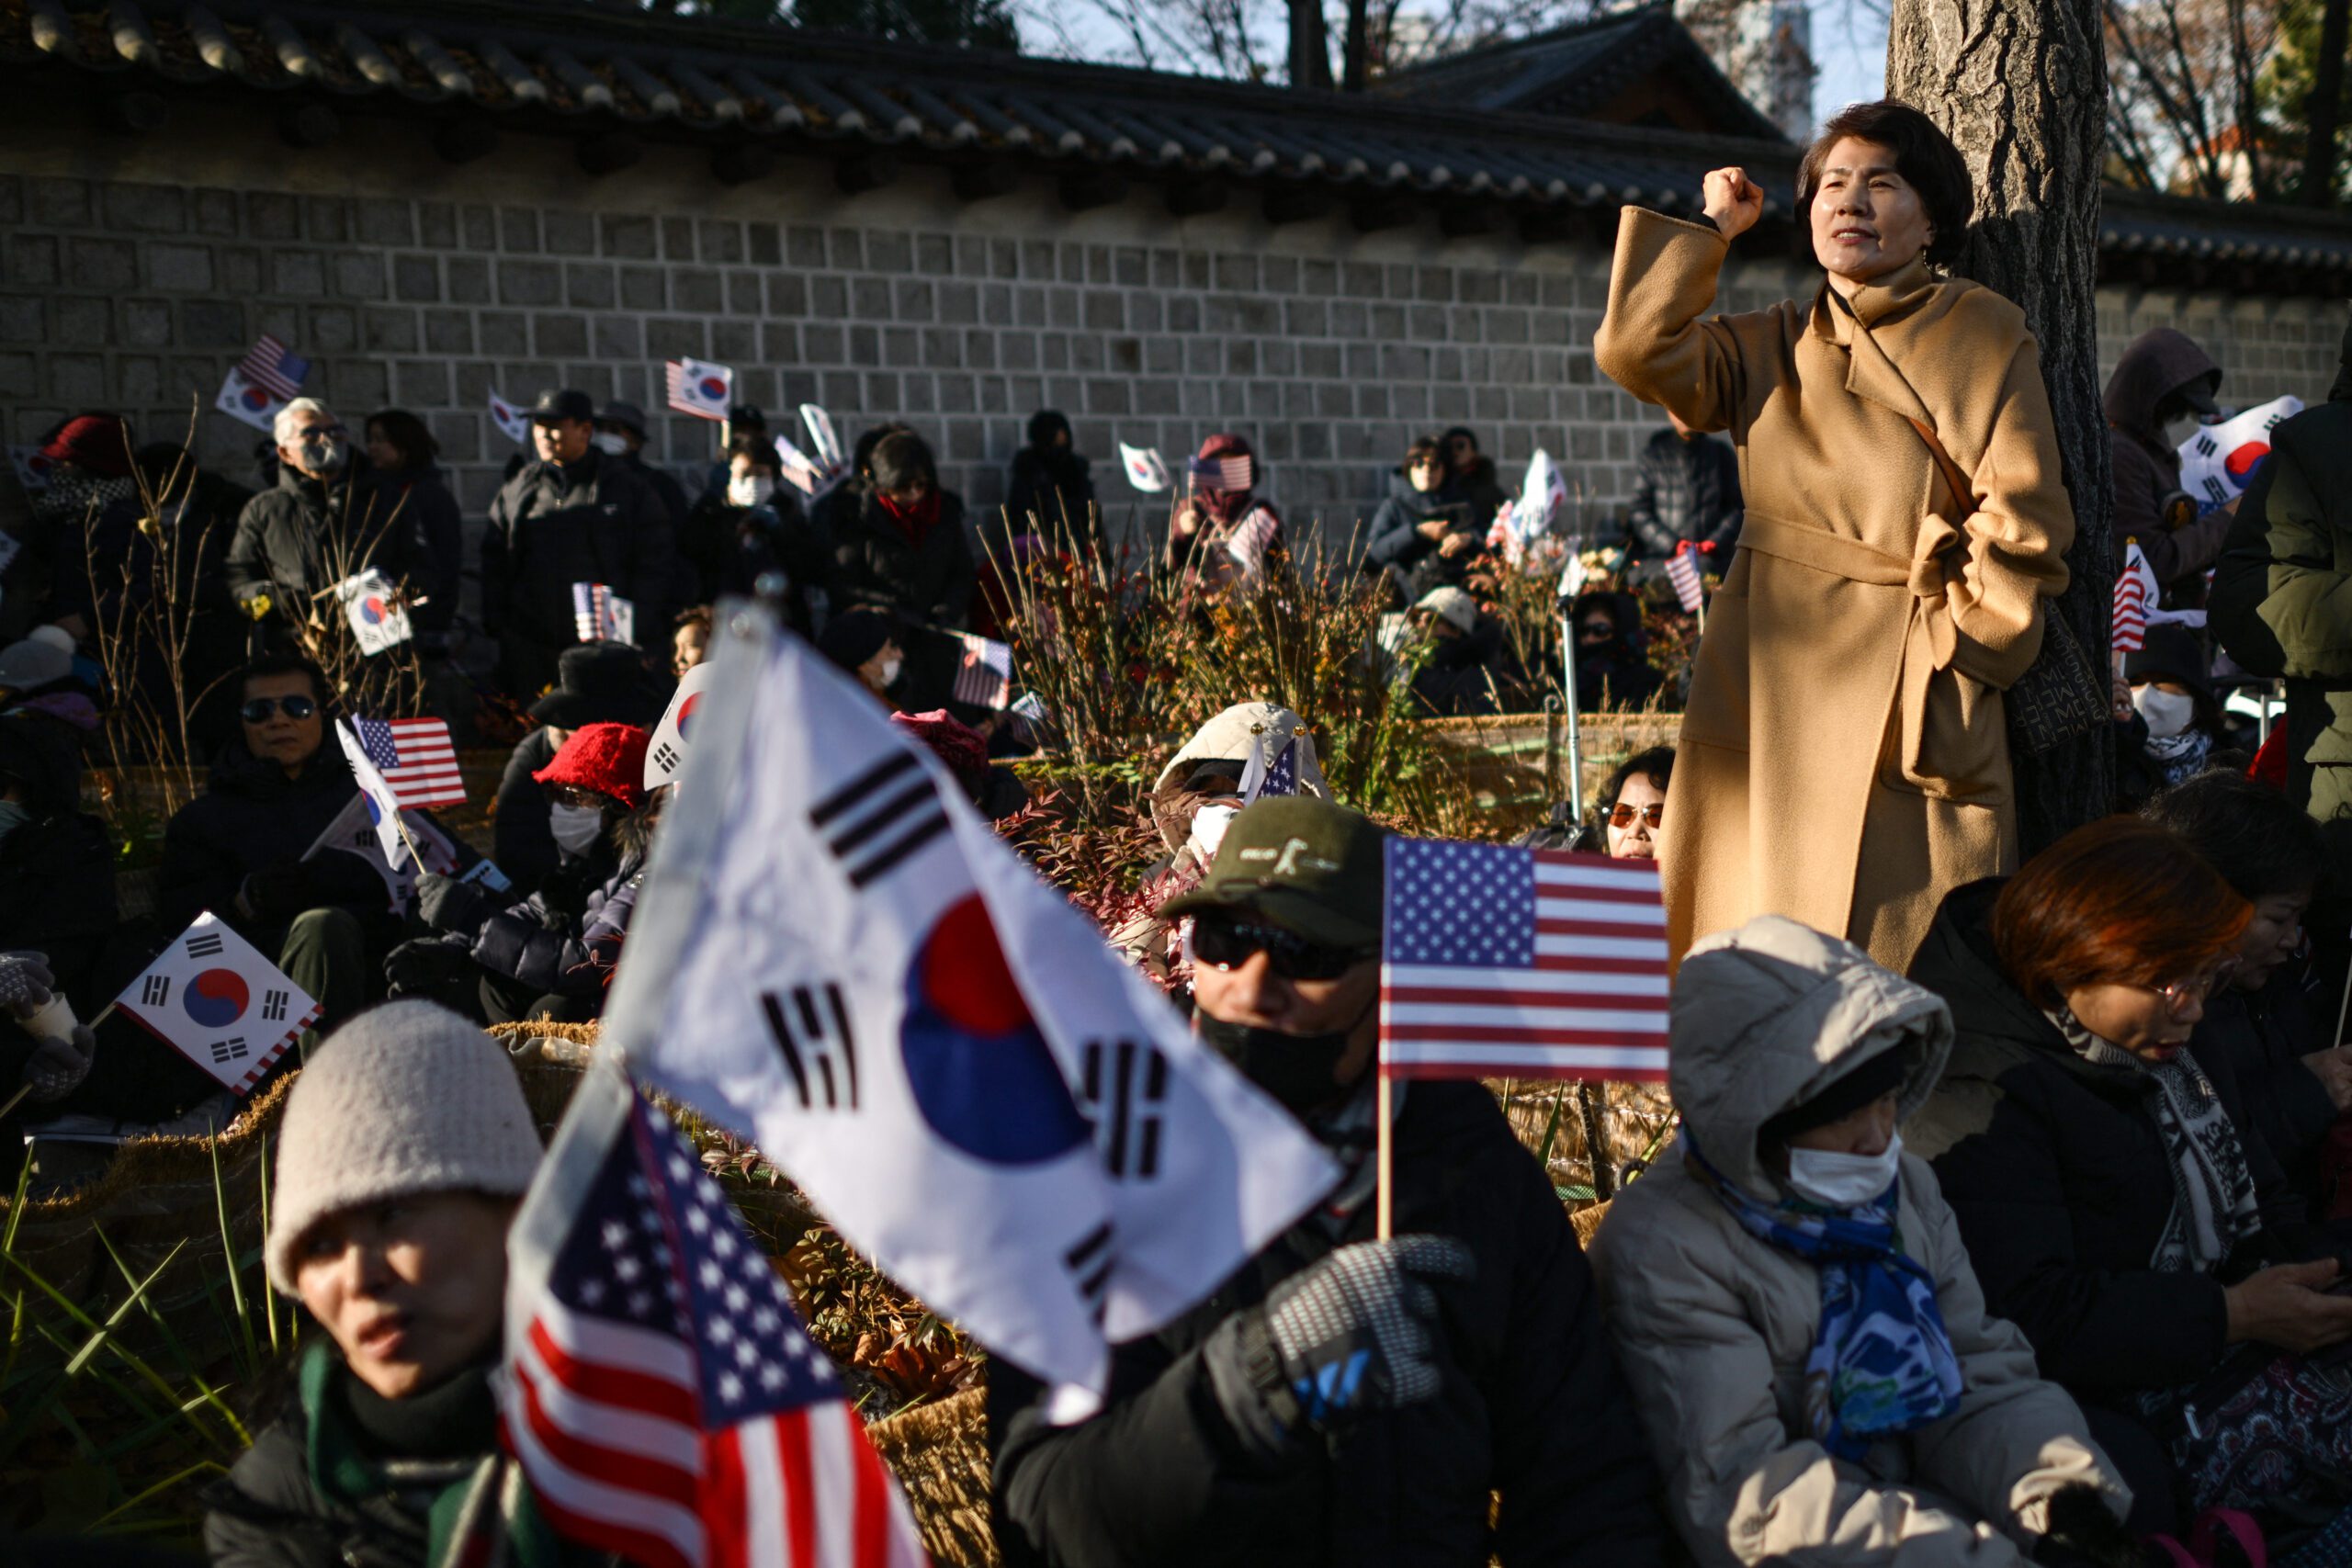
[
  {"x": 812, "y": 1034},
  {"x": 1124, "y": 1085},
  {"x": 155, "y": 991},
  {"x": 1091, "y": 1261},
  {"x": 204, "y": 944},
  {"x": 665, "y": 757},
  {"x": 229, "y": 1050},
  {"x": 273, "y": 1005},
  {"x": 880, "y": 817}
]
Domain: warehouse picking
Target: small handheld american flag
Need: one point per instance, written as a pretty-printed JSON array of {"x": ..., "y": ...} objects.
[
  {"x": 599, "y": 614},
  {"x": 660, "y": 1394},
  {"x": 1250, "y": 542},
  {"x": 984, "y": 678},
  {"x": 416, "y": 758},
  {"x": 1237, "y": 472},
  {"x": 2132, "y": 606},
  {"x": 1498, "y": 961},
  {"x": 1683, "y": 572},
  {"x": 269, "y": 366}
]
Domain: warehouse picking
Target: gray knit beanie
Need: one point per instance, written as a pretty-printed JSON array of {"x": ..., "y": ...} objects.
[{"x": 406, "y": 1097}]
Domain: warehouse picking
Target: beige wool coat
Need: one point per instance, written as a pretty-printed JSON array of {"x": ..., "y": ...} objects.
[
  {"x": 1844, "y": 759},
  {"x": 1713, "y": 1327}
]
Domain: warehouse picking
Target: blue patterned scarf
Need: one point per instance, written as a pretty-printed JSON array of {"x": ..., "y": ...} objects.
[{"x": 1883, "y": 1363}]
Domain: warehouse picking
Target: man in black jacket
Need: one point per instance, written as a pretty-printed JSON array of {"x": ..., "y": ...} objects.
[
  {"x": 323, "y": 521},
  {"x": 1344, "y": 1399},
  {"x": 620, "y": 433},
  {"x": 574, "y": 515},
  {"x": 1686, "y": 492}
]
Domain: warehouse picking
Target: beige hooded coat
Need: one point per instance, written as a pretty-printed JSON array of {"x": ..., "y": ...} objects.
[
  {"x": 1844, "y": 760},
  {"x": 1712, "y": 1326}
]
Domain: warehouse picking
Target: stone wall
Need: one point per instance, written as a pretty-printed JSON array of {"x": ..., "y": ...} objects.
[{"x": 133, "y": 272}]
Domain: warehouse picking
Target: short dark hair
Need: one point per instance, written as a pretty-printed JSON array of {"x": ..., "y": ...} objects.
[
  {"x": 1424, "y": 450},
  {"x": 862, "y": 454},
  {"x": 899, "y": 460},
  {"x": 1656, "y": 764},
  {"x": 2119, "y": 902},
  {"x": 760, "y": 451},
  {"x": 268, "y": 664},
  {"x": 1923, "y": 156},
  {"x": 407, "y": 434},
  {"x": 693, "y": 616},
  {"x": 2261, "y": 841}
]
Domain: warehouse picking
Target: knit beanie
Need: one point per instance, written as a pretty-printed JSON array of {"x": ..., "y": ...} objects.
[
  {"x": 854, "y": 637},
  {"x": 93, "y": 443},
  {"x": 407, "y": 1098},
  {"x": 606, "y": 758}
]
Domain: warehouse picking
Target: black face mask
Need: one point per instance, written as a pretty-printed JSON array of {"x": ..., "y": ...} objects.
[{"x": 1296, "y": 1069}]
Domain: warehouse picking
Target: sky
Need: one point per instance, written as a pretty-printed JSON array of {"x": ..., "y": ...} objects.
[{"x": 1850, "y": 46}]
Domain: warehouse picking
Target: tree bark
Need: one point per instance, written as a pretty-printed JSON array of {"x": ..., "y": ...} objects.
[
  {"x": 2325, "y": 106},
  {"x": 1355, "y": 50},
  {"x": 2020, "y": 88},
  {"x": 1311, "y": 45}
]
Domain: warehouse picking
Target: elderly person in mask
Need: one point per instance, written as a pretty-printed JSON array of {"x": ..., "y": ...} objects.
[
  {"x": 1791, "y": 1301},
  {"x": 326, "y": 518},
  {"x": 1846, "y": 759}
]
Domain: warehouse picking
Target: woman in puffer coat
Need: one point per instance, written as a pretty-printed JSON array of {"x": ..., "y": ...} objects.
[{"x": 1792, "y": 1305}]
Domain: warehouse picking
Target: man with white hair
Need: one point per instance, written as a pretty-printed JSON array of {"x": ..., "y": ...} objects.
[{"x": 321, "y": 522}]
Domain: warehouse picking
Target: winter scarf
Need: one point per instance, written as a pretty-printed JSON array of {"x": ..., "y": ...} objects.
[
  {"x": 915, "y": 521},
  {"x": 1883, "y": 1362},
  {"x": 2181, "y": 756},
  {"x": 2214, "y": 1208},
  {"x": 74, "y": 495}
]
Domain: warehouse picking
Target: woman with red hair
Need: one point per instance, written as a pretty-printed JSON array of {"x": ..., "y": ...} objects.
[{"x": 2114, "y": 1201}]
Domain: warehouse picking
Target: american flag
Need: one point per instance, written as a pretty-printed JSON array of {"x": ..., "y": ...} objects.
[
  {"x": 1281, "y": 776},
  {"x": 1508, "y": 962},
  {"x": 1684, "y": 573},
  {"x": 984, "y": 678},
  {"x": 1247, "y": 545},
  {"x": 416, "y": 758},
  {"x": 268, "y": 365},
  {"x": 1238, "y": 472},
  {"x": 2132, "y": 600},
  {"x": 660, "y": 1396},
  {"x": 599, "y": 614}
]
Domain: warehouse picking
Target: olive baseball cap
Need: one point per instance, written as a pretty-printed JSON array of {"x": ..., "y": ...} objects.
[{"x": 1303, "y": 864}]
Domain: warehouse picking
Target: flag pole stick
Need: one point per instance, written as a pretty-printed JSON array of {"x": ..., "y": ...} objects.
[
  {"x": 1383, "y": 1211},
  {"x": 22, "y": 1090},
  {"x": 2343, "y": 1010},
  {"x": 1703, "y": 606},
  {"x": 1575, "y": 725}
]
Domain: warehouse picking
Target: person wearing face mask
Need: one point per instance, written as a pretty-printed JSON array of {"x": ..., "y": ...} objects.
[
  {"x": 1869, "y": 598},
  {"x": 549, "y": 955},
  {"x": 326, "y": 517},
  {"x": 865, "y": 644},
  {"x": 1612, "y": 670},
  {"x": 1220, "y": 501},
  {"x": 754, "y": 527},
  {"x": 1417, "y": 518},
  {"x": 900, "y": 546},
  {"x": 2163, "y": 383},
  {"x": 1631, "y": 806},
  {"x": 2175, "y": 722},
  {"x": 621, "y": 434},
  {"x": 1465, "y": 667},
  {"x": 2117, "y": 1199},
  {"x": 1793, "y": 1307},
  {"x": 2270, "y": 1021},
  {"x": 406, "y": 1149},
  {"x": 1341, "y": 1399}
]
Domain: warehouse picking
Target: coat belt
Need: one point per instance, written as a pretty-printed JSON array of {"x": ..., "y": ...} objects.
[{"x": 1822, "y": 550}]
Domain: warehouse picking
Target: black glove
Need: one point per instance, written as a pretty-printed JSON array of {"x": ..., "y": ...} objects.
[
  {"x": 2081, "y": 1532},
  {"x": 1356, "y": 1333},
  {"x": 26, "y": 983},
  {"x": 428, "y": 966},
  {"x": 449, "y": 905},
  {"x": 275, "y": 893},
  {"x": 58, "y": 1066}
]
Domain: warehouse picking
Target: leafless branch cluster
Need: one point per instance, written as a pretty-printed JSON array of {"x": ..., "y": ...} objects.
[{"x": 2186, "y": 108}]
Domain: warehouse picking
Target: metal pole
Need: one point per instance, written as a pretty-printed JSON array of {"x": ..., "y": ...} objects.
[
  {"x": 2270, "y": 689},
  {"x": 1575, "y": 725}
]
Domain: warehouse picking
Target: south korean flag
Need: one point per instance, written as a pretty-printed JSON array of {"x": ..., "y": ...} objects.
[
  {"x": 372, "y": 605},
  {"x": 666, "y": 758},
  {"x": 216, "y": 1000}
]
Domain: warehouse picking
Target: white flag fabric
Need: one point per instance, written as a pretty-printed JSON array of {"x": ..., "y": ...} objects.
[
  {"x": 249, "y": 400},
  {"x": 32, "y": 469},
  {"x": 383, "y": 806},
  {"x": 699, "y": 388},
  {"x": 834, "y": 954},
  {"x": 354, "y": 833},
  {"x": 2218, "y": 461},
  {"x": 216, "y": 1000},
  {"x": 828, "y": 445},
  {"x": 1145, "y": 470},
  {"x": 1573, "y": 574},
  {"x": 512, "y": 421},
  {"x": 798, "y": 468},
  {"x": 665, "y": 754},
  {"x": 372, "y": 606}
]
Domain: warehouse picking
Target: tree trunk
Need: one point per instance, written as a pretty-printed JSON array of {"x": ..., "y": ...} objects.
[
  {"x": 2326, "y": 105},
  {"x": 1311, "y": 45},
  {"x": 2021, "y": 86}
]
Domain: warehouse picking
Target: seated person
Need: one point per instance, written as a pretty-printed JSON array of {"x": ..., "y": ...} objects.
[
  {"x": 238, "y": 849},
  {"x": 1792, "y": 1304},
  {"x": 1631, "y": 806},
  {"x": 865, "y": 644},
  {"x": 406, "y": 1149},
  {"x": 1221, "y": 510},
  {"x": 1417, "y": 518},
  {"x": 2296, "y": 1084},
  {"x": 2115, "y": 1203},
  {"x": 1612, "y": 672},
  {"x": 2175, "y": 722},
  {"x": 1467, "y": 668},
  {"x": 1321, "y": 1408},
  {"x": 549, "y": 955},
  {"x": 995, "y": 792},
  {"x": 597, "y": 682}
]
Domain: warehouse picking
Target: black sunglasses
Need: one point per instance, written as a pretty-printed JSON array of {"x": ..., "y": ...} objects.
[
  {"x": 1222, "y": 942},
  {"x": 258, "y": 709}
]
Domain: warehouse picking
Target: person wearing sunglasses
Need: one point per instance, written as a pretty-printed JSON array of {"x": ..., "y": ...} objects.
[
  {"x": 1342, "y": 1399},
  {"x": 1632, "y": 804},
  {"x": 327, "y": 515},
  {"x": 2120, "y": 1205},
  {"x": 239, "y": 848}
]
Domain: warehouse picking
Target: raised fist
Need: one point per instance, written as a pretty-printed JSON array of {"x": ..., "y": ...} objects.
[{"x": 1732, "y": 200}]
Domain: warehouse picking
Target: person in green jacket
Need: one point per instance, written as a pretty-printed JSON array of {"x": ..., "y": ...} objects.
[{"x": 2282, "y": 594}]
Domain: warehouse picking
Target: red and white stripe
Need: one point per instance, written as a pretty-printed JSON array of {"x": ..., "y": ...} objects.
[
  {"x": 1594, "y": 1004},
  {"x": 1683, "y": 572},
  {"x": 265, "y": 365},
  {"x": 1249, "y": 543},
  {"x": 2134, "y": 600},
  {"x": 428, "y": 773}
]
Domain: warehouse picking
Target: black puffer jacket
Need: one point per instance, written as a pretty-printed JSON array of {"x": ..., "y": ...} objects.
[
  {"x": 557, "y": 523},
  {"x": 1394, "y": 536},
  {"x": 252, "y": 818},
  {"x": 1685, "y": 493},
  {"x": 2059, "y": 1176},
  {"x": 523, "y": 845},
  {"x": 1532, "y": 1406},
  {"x": 1050, "y": 492},
  {"x": 436, "y": 535},
  {"x": 298, "y": 536},
  {"x": 729, "y": 547},
  {"x": 2263, "y": 1037}
]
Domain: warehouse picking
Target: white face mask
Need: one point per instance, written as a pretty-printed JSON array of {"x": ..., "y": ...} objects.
[
  {"x": 890, "y": 673},
  {"x": 1209, "y": 824},
  {"x": 750, "y": 490},
  {"x": 2167, "y": 713},
  {"x": 1844, "y": 1181},
  {"x": 575, "y": 826},
  {"x": 610, "y": 442}
]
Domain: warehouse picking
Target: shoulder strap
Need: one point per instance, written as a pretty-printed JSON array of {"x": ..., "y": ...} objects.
[{"x": 1953, "y": 477}]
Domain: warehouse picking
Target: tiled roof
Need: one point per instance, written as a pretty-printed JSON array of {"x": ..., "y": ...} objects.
[{"x": 614, "y": 75}]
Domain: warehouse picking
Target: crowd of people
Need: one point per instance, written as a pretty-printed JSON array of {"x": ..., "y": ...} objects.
[{"x": 2005, "y": 1213}]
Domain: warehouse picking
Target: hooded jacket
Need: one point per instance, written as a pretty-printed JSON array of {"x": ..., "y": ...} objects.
[
  {"x": 2282, "y": 594},
  {"x": 2147, "y": 468},
  {"x": 1713, "y": 1326}
]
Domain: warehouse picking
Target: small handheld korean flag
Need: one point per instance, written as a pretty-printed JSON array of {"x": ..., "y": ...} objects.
[
  {"x": 699, "y": 388},
  {"x": 799, "y": 469},
  {"x": 835, "y": 954},
  {"x": 373, "y": 607},
  {"x": 665, "y": 758},
  {"x": 512, "y": 421},
  {"x": 249, "y": 400},
  {"x": 822, "y": 439},
  {"x": 354, "y": 833},
  {"x": 32, "y": 469},
  {"x": 599, "y": 614},
  {"x": 383, "y": 805},
  {"x": 220, "y": 1003},
  {"x": 1145, "y": 470},
  {"x": 2218, "y": 461}
]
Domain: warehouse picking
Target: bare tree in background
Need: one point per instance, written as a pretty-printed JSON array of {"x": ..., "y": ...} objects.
[
  {"x": 2187, "y": 94},
  {"x": 2020, "y": 88}
]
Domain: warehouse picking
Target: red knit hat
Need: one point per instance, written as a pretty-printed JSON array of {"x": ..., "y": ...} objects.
[
  {"x": 94, "y": 442},
  {"x": 606, "y": 758}
]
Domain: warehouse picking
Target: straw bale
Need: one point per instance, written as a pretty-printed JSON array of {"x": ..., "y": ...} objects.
[{"x": 940, "y": 1452}]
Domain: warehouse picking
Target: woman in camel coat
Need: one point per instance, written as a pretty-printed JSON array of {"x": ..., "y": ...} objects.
[{"x": 1844, "y": 760}]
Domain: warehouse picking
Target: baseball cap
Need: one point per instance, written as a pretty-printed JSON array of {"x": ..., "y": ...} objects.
[
  {"x": 565, "y": 403},
  {"x": 1303, "y": 864}
]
